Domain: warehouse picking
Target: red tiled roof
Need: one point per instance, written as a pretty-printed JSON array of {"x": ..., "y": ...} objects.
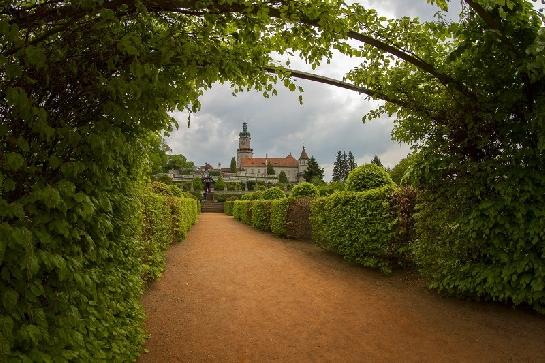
[{"x": 287, "y": 162}]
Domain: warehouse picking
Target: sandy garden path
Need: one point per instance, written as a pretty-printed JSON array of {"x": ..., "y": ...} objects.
[{"x": 233, "y": 294}]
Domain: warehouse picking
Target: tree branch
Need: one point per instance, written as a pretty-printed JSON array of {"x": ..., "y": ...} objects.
[
  {"x": 47, "y": 14},
  {"x": 341, "y": 84}
]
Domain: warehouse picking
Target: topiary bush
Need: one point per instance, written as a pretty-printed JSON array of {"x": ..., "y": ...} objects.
[
  {"x": 368, "y": 176},
  {"x": 304, "y": 190},
  {"x": 273, "y": 193},
  {"x": 279, "y": 212},
  {"x": 261, "y": 215},
  {"x": 361, "y": 227}
]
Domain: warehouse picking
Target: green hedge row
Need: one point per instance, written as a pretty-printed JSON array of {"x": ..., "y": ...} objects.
[
  {"x": 166, "y": 219},
  {"x": 279, "y": 212},
  {"x": 373, "y": 228},
  {"x": 228, "y": 207},
  {"x": 261, "y": 215},
  {"x": 360, "y": 226}
]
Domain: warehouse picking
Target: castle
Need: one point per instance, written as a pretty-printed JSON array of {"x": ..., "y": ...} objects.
[{"x": 249, "y": 166}]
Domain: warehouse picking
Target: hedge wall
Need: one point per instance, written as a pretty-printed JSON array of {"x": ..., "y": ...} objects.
[
  {"x": 360, "y": 226},
  {"x": 261, "y": 215},
  {"x": 165, "y": 220},
  {"x": 279, "y": 212},
  {"x": 298, "y": 218},
  {"x": 242, "y": 211},
  {"x": 228, "y": 207}
]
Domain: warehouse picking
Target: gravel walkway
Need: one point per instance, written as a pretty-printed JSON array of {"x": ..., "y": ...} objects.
[{"x": 232, "y": 294}]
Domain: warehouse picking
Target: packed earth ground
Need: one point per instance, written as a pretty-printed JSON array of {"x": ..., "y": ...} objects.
[{"x": 233, "y": 294}]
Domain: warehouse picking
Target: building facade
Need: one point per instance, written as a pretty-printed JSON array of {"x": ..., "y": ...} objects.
[{"x": 250, "y": 166}]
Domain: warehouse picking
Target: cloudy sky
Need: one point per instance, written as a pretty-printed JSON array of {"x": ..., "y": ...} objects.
[{"x": 329, "y": 120}]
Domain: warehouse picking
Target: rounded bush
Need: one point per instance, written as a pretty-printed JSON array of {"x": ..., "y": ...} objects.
[
  {"x": 368, "y": 176},
  {"x": 305, "y": 190},
  {"x": 273, "y": 193}
]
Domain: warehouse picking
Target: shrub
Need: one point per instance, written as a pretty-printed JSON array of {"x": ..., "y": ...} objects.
[
  {"x": 361, "y": 227},
  {"x": 273, "y": 193},
  {"x": 304, "y": 190},
  {"x": 279, "y": 212},
  {"x": 165, "y": 219},
  {"x": 403, "y": 204},
  {"x": 242, "y": 211},
  {"x": 198, "y": 185},
  {"x": 228, "y": 207},
  {"x": 368, "y": 176},
  {"x": 261, "y": 215},
  {"x": 220, "y": 184},
  {"x": 166, "y": 189},
  {"x": 253, "y": 196},
  {"x": 297, "y": 218}
]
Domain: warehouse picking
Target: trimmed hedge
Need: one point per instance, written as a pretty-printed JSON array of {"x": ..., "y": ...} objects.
[
  {"x": 366, "y": 177},
  {"x": 305, "y": 190},
  {"x": 228, "y": 207},
  {"x": 361, "y": 227},
  {"x": 298, "y": 218},
  {"x": 279, "y": 212},
  {"x": 273, "y": 193},
  {"x": 242, "y": 211},
  {"x": 261, "y": 215},
  {"x": 165, "y": 220}
]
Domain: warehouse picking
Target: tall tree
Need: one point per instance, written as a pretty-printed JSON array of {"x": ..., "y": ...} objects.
[
  {"x": 337, "y": 167},
  {"x": 313, "y": 173},
  {"x": 345, "y": 166},
  {"x": 377, "y": 161},
  {"x": 282, "y": 177},
  {"x": 270, "y": 169},
  {"x": 351, "y": 161},
  {"x": 233, "y": 165}
]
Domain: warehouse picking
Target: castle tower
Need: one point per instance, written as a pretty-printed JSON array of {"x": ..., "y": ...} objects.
[
  {"x": 303, "y": 162},
  {"x": 244, "y": 148}
]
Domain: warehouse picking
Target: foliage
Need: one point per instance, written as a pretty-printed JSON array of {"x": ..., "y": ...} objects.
[
  {"x": 273, "y": 193},
  {"x": 233, "y": 186},
  {"x": 166, "y": 189},
  {"x": 313, "y": 173},
  {"x": 228, "y": 207},
  {"x": 157, "y": 154},
  {"x": 261, "y": 215},
  {"x": 178, "y": 162},
  {"x": 297, "y": 218},
  {"x": 376, "y": 161},
  {"x": 368, "y": 176},
  {"x": 270, "y": 169},
  {"x": 220, "y": 184},
  {"x": 198, "y": 185},
  {"x": 343, "y": 165},
  {"x": 330, "y": 188},
  {"x": 279, "y": 212},
  {"x": 166, "y": 219},
  {"x": 242, "y": 211},
  {"x": 403, "y": 202},
  {"x": 304, "y": 190},
  {"x": 359, "y": 226},
  {"x": 253, "y": 195},
  {"x": 399, "y": 171},
  {"x": 163, "y": 178},
  {"x": 283, "y": 178},
  {"x": 468, "y": 97},
  {"x": 233, "y": 165}
]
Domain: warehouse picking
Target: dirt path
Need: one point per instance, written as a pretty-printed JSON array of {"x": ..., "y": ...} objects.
[{"x": 232, "y": 294}]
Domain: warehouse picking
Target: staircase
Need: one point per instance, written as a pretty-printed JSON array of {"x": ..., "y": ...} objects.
[{"x": 211, "y": 207}]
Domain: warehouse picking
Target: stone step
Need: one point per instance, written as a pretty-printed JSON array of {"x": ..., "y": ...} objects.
[{"x": 211, "y": 207}]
